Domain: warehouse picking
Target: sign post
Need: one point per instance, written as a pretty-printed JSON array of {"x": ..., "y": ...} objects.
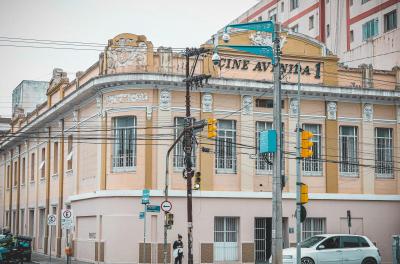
[
  {"x": 67, "y": 223},
  {"x": 51, "y": 221},
  {"x": 145, "y": 202}
]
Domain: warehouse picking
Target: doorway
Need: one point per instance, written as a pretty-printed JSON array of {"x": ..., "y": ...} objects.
[{"x": 262, "y": 239}]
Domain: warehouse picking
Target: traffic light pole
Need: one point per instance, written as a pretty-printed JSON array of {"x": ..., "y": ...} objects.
[
  {"x": 298, "y": 173},
  {"x": 277, "y": 238},
  {"x": 188, "y": 162}
]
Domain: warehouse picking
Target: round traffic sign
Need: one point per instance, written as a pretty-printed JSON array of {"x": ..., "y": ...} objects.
[
  {"x": 166, "y": 206},
  {"x": 67, "y": 214}
]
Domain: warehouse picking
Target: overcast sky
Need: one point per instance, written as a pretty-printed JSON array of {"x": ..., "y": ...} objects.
[{"x": 174, "y": 23}]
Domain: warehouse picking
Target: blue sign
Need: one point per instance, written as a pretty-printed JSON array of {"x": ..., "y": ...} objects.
[
  {"x": 141, "y": 215},
  {"x": 146, "y": 196},
  {"x": 264, "y": 26},
  {"x": 153, "y": 208},
  {"x": 268, "y": 140},
  {"x": 265, "y": 51}
]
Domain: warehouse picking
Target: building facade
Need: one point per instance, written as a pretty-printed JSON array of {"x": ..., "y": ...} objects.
[
  {"x": 358, "y": 31},
  {"x": 28, "y": 95},
  {"x": 101, "y": 138}
]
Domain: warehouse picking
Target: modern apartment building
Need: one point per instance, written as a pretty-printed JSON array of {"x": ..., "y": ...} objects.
[
  {"x": 357, "y": 31},
  {"x": 102, "y": 137}
]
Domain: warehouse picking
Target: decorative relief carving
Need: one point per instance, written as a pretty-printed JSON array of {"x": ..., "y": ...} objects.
[
  {"x": 127, "y": 98},
  {"x": 59, "y": 77},
  {"x": 264, "y": 39},
  {"x": 368, "y": 113},
  {"x": 165, "y": 100},
  {"x": 331, "y": 109},
  {"x": 75, "y": 117},
  {"x": 294, "y": 107},
  {"x": 207, "y": 103},
  {"x": 123, "y": 55},
  {"x": 247, "y": 104}
]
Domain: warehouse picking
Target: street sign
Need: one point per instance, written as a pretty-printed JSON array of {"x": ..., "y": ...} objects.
[
  {"x": 166, "y": 206},
  {"x": 153, "y": 208},
  {"x": 146, "y": 196},
  {"x": 51, "y": 219},
  {"x": 67, "y": 219},
  {"x": 141, "y": 215}
]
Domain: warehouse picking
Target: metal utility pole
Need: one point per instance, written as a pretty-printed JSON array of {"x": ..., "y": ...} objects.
[
  {"x": 188, "y": 162},
  {"x": 277, "y": 240},
  {"x": 298, "y": 172}
]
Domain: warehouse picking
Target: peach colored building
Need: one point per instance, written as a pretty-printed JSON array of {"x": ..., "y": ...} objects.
[{"x": 102, "y": 137}]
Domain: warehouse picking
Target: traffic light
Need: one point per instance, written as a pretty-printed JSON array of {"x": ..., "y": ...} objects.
[
  {"x": 303, "y": 193},
  {"x": 197, "y": 181},
  {"x": 306, "y": 144},
  {"x": 212, "y": 127},
  {"x": 170, "y": 219}
]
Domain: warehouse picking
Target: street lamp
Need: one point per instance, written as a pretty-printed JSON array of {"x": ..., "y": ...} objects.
[{"x": 274, "y": 54}]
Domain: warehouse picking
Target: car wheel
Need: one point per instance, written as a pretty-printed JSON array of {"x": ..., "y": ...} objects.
[
  {"x": 369, "y": 261},
  {"x": 307, "y": 261}
]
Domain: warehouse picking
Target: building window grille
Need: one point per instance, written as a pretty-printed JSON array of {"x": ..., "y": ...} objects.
[
  {"x": 262, "y": 167},
  {"x": 42, "y": 166},
  {"x": 55, "y": 158},
  {"x": 23, "y": 173},
  {"x": 384, "y": 152},
  {"x": 313, "y": 164},
  {"x": 313, "y": 226},
  {"x": 226, "y": 238},
  {"x": 294, "y": 4},
  {"x": 348, "y": 150},
  {"x": 124, "y": 152},
  {"x": 15, "y": 172},
  {"x": 32, "y": 166},
  {"x": 390, "y": 20},
  {"x": 70, "y": 152},
  {"x": 225, "y": 158},
  {"x": 179, "y": 154},
  {"x": 370, "y": 29}
]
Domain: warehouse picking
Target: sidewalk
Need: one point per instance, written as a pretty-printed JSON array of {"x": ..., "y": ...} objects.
[{"x": 44, "y": 259}]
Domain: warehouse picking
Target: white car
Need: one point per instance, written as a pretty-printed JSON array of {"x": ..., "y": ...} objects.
[{"x": 335, "y": 249}]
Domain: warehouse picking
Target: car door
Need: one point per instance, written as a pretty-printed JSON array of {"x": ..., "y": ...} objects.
[
  {"x": 329, "y": 251},
  {"x": 352, "y": 252}
]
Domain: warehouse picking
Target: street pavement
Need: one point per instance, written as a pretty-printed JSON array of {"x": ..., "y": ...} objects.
[{"x": 44, "y": 259}]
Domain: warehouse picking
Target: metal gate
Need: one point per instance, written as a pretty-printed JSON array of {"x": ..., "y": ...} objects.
[{"x": 262, "y": 239}]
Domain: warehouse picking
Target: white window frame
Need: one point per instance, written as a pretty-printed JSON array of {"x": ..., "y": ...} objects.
[
  {"x": 313, "y": 165},
  {"x": 313, "y": 226},
  {"x": 122, "y": 162},
  {"x": 384, "y": 154},
  {"x": 226, "y": 239},
  {"x": 262, "y": 167},
  {"x": 349, "y": 163},
  {"x": 224, "y": 164},
  {"x": 179, "y": 154}
]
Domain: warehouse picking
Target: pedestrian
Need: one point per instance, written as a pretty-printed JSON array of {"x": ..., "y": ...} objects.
[{"x": 178, "y": 250}]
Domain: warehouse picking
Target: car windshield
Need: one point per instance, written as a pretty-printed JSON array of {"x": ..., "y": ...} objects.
[{"x": 311, "y": 241}]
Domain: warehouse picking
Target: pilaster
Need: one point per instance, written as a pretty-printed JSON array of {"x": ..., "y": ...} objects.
[
  {"x": 246, "y": 136},
  {"x": 367, "y": 150}
]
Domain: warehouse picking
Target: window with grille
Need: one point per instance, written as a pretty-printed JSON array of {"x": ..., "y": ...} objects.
[
  {"x": 225, "y": 155},
  {"x": 179, "y": 154},
  {"x": 42, "y": 166},
  {"x": 313, "y": 226},
  {"x": 15, "y": 174},
  {"x": 23, "y": 168},
  {"x": 124, "y": 152},
  {"x": 313, "y": 164},
  {"x": 370, "y": 29},
  {"x": 32, "y": 166},
  {"x": 384, "y": 152},
  {"x": 55, "y": 158},
  {"x": 226, "y": 238},
  {"x": 294, "y": 4},
  {"x": 8, "y": 176},
  {"x": 262, "y": 166},
  {"x": 390, "y": 20},
  {"x": 348, "y": 144},
  {"x": 70, "y": 152}
]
